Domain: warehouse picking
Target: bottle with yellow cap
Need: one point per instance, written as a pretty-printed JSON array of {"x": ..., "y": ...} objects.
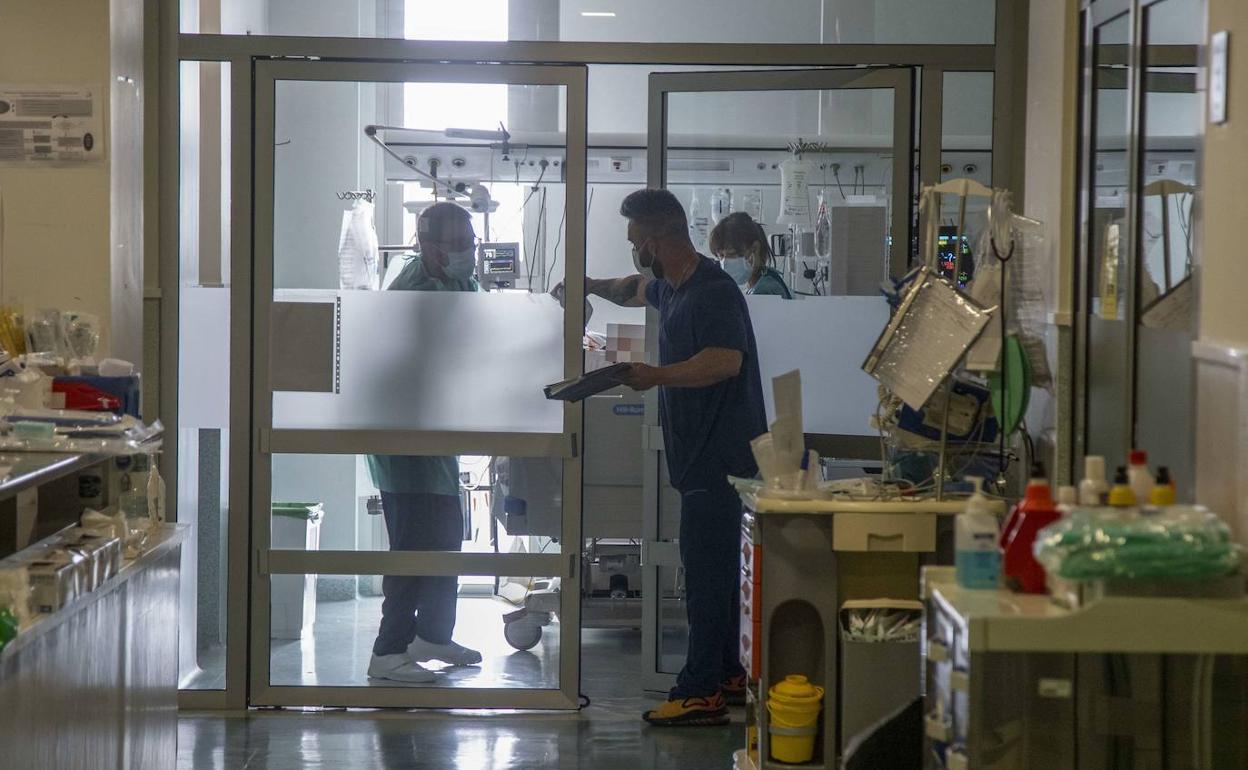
[
  {"x": 1163, "y": 493},
  {"x": 1120, "y": 494}
]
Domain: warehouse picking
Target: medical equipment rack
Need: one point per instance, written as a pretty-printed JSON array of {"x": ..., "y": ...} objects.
[{"x": 802, "y": 559}]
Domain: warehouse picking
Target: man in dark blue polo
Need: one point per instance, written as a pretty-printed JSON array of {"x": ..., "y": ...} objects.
[{"x": 711, "y": 407}]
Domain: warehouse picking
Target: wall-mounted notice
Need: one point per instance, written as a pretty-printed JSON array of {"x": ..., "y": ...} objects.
[{"x": 51, "y": 124}]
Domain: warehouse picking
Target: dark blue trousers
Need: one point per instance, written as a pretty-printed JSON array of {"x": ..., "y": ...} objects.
[
  {"x": 421, "y": 606},
  {"x": 710, "y": 546}
]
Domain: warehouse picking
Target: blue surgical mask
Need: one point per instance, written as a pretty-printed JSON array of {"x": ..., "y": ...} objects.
[
  {"x": 461, "y": 264},
  {"x": 738, "y": 268}
]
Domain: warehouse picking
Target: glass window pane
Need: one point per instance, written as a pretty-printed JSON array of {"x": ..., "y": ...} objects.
[
  {"x": 1170, "y": 136},
  {"x": 427, "y": 353},
  {"x": 966, "y": 153},
  {"x": 1107, "y": 431},
  {"x": 203, "y": 369},
  {"x": 832, "y": 263},
  {"x": 324, "y": 630},
  {"x": 691, "y": 21},
  {"x": 355, "y": 503}
]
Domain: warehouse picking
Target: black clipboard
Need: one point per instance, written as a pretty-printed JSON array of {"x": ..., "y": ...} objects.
[{"x": 588, "y": 384}]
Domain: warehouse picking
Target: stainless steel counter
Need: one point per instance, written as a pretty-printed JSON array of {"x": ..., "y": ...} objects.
[
  {"x": 95, "y": 684},
  {"x": 24, "y": 470}
]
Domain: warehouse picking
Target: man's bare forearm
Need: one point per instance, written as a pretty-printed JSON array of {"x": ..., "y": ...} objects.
[
  {"x": 627, "y": 291},
  {"x": 709, "y": 367}
]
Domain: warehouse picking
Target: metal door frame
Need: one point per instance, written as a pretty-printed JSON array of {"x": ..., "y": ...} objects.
[
  {"x": 265, "y": 441},
  {"x": 658, "y": 553},
  {"x": 1095, "y": 14},
  {"x": 173, "y": 36}
]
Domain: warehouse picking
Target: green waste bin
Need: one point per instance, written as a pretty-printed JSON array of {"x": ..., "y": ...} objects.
[{"x": 292, "y": 601}]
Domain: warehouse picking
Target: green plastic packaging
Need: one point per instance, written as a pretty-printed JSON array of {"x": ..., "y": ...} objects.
[
  {"x": 8, "y": 627},
  {"x": 309, "y": 511},
  {"x": 1184, "y": 542}
]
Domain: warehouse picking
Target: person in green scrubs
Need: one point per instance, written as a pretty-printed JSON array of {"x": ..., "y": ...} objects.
[
  {"x": 420, "y": 495},
  {"x": 740, "y": 245}
]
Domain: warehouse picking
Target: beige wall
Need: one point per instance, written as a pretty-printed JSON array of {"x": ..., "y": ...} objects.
[
  {"x": 1049, "y": 195},
  {"x": 1224, "y": 224},
  {"x": 1052, "y": 99},
  {"x": 1222, "y": 353},
  {"x": 56, "y": 237}
]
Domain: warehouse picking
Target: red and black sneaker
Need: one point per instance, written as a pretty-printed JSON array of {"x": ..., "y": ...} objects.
[
  {"x": 734, "y": 690},
  {"x": 690, "y": 712}
]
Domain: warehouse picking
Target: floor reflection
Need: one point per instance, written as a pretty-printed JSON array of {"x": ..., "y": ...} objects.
[
  {"x": 337, "y": 653},
  {"x": 609, "y": 735}
]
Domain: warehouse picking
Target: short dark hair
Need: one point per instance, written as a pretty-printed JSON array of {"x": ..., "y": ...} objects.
[
  {"x": 657, "y": 211},
  {"x": 436, "y": 222}
]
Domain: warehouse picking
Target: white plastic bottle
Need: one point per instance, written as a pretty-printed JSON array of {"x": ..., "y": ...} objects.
[
  {"x": 1094, "y": 489},
  {"x": 978, "y": 556},
  {"x": 1067, "y": 500},
  {"x": 1140, "y": 477}
]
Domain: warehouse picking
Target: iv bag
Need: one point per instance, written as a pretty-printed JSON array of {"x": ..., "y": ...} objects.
[
  {"x": 699, "y": 222},
  {"x": 357, "y": 248},
  {"x": 794, "y": 193}
]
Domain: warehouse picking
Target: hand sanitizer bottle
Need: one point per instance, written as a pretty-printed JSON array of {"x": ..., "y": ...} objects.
[{"x": 978, "y": 557}]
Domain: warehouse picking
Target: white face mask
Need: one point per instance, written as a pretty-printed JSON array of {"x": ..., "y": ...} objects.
[
  {"x": 461, "y": 264},
  {"x": 646, "y": 270}
]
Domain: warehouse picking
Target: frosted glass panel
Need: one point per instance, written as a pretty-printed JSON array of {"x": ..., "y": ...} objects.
[
  {"x": 436, "y": 361},
  {"x": 616, "y": 21},
  {"x": 827, "y": 338},
  {"x": 845, "y": 117}
]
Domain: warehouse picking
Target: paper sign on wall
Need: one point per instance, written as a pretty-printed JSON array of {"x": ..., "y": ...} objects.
[{"x": 50, "y": 124}]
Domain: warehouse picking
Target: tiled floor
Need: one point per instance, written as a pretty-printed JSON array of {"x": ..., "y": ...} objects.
[
  {"x": 606, "y": 736},
  {"x": 338, "y": 654}
]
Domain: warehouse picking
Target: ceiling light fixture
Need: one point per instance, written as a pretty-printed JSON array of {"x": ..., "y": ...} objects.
[{"x": 602, "y": 14}]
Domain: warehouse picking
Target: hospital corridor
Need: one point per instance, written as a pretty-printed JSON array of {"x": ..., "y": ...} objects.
[{"x": 492, "y": 384}]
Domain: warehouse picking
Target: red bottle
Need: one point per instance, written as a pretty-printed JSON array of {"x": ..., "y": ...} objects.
[{"x": 1033, "y": 513}]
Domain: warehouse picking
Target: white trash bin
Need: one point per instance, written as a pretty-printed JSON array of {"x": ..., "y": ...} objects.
[{"x": 292, "y": 603}]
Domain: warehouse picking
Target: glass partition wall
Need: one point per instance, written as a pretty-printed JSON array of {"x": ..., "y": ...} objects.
[
  {"x": 721, "y": 142},
  {"x": 399, "y": 404},
  {"x": 1137, "y": 258},
  {"x": 322, "y": 378}
]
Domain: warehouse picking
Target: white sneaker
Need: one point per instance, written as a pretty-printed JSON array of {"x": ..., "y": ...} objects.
[
  {"x": 399, "y": 668},
  {"x": 456, "y": 654}
]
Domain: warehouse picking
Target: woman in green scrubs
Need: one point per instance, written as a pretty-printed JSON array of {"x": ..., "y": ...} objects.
[{"x": 740, "y": 245}]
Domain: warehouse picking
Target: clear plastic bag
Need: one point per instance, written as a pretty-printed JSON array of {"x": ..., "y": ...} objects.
[
  {"x": 81, "y": 332},
  {"x": 357, "y": 248},
  {"x": 45, "y": 337},
  {"x": 1101, "y": 544}
]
